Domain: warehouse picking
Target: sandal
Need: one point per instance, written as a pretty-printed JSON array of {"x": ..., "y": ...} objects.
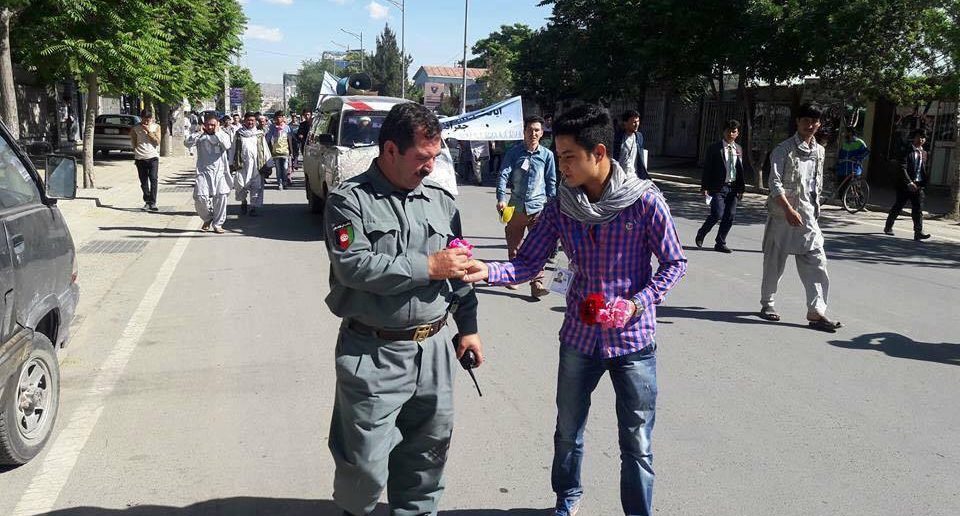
[
  {"x": 768, "y": 314},
  {"x": 824, "y": 324}
]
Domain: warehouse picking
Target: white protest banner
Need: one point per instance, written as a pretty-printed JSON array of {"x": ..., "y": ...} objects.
[
  {"x": 501, "y": 121},
  {"x": 327, "y": 87}
]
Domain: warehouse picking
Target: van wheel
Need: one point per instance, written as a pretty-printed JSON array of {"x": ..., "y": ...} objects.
[
  {"x": 29, "y": 405},
  {"x": 315, "y": 201}
]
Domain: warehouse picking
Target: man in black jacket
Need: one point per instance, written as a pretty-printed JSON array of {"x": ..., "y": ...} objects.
[
  {"x": 723, "y": 184},
  {"x": 910, "y": 186},
  {"x": 628, "y": 145}
]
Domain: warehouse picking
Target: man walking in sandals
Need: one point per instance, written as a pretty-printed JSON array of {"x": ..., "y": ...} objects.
[{"x": 796, "y": 179}]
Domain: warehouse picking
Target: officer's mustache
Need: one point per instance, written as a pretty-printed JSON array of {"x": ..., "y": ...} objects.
[{"x": 424, "y": 172}]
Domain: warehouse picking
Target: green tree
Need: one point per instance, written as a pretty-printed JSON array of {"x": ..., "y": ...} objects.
[
  {"x": 384, "y": 66},
  {"x": 7, "y": 90},
  {"x": 310, "y": 81},
  {"x": 114, "y": 45},
  {"x": 241, "y": 77}
]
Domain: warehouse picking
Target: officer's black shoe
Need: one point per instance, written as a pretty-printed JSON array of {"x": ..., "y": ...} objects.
[
  {"x": 722, "y": 248},
  {"x": 888, "y": 231},
  {"x": 699, "y": 240},
  {"x": 921, "y": 236}
]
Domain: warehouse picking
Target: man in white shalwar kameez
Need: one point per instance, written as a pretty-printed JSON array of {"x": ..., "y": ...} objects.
[
  {"x": 796, "y": 180},
  {"x": 250, "y": 154},
  {"x": 213, "y": 173}
]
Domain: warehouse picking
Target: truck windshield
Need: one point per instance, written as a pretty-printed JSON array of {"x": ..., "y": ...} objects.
[{"x": 361, "y": 128}]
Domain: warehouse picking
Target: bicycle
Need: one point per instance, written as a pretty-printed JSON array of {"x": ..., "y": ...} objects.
[{"x": 855, "y": 193}]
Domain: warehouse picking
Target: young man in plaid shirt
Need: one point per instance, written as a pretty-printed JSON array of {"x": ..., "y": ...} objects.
[{"x": 611, "y": 224}]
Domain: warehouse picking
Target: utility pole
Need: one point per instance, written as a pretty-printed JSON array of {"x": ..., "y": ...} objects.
[
  {"x": 403, "y": 51},
  {"x": 463, "y": 94}
]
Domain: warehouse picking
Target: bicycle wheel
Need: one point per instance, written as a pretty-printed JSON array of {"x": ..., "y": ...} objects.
[{"x": 856, "y": 197}]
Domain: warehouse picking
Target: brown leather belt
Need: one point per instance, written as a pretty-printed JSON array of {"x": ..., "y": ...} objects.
[{"x": 418, "y": 334}]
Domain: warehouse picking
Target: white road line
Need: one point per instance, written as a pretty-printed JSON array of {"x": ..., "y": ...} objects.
[{"x": 62, "y": 455}]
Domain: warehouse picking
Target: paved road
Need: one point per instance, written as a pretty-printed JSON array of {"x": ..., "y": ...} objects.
[{"x": 201, "y": 381}]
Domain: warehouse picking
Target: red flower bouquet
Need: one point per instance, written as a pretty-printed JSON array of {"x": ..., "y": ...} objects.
[{"x": 590, "y": 308}]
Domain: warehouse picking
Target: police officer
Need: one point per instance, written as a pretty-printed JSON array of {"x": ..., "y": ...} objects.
[{"x": 394, "y": 283}]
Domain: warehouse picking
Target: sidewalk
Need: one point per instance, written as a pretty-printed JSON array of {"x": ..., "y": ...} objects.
[
  {"x": 111, "y": 232},
  {"x": 683, "y": 171}
]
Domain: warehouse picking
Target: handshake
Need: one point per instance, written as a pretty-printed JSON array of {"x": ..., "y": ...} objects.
[{"x": 456, "y": 262}]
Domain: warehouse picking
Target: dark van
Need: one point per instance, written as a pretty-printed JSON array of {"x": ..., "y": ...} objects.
[{"x": 38, "y": 295}]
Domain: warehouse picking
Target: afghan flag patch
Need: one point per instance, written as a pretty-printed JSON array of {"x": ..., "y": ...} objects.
[{"x": 344, "y": 235}]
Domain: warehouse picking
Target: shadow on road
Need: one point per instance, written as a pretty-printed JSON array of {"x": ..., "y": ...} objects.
[
  {"x": 516, "y": 294},
  {"x": 253, "y": 506},
  {"x": 901, "y": 346},
  {"x": 729, "y": 316},
  {"x": 893, "y": 250}
]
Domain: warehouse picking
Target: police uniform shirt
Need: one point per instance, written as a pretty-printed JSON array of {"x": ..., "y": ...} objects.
[{"x": 378, "y": 240}]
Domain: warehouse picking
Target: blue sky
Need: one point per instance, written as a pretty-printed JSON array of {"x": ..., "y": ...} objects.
[{"x": 282, "y": 33}]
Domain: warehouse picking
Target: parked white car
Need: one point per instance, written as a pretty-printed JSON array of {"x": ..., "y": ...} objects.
[{"x": 343, "y": 142}]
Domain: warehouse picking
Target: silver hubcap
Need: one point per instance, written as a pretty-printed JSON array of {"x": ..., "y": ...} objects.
[{"x": 33, "y": 399}]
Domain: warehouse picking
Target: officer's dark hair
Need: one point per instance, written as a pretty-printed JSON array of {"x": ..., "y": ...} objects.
[
  {"x": 249, "y": 114},
  {"x": 918, "y": 132},
  {"x": 146, "y": 113},
  {"x": 589, "y": 124},
  {"x": 810, "y": 110},
  {"x": 628, "y": 114},
  {"x": 210, "y": 115},
  {"x": 731, "y": 125},
  {"x": 533, "y": 119},
  {"x": 279, "y": 113},
  {"x": 402, "y": 123}
]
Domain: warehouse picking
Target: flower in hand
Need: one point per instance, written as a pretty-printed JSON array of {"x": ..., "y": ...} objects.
[
  {"x": 594, "y": 310},
  {"x": 590, "y": 308},
  {"x": 461, "y": 243}
]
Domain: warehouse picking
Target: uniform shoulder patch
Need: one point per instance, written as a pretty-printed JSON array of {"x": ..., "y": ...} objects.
[{"x": 344, "y": 235}]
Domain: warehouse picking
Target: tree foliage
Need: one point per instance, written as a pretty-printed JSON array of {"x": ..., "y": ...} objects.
[{"x": 384, "y": 66}]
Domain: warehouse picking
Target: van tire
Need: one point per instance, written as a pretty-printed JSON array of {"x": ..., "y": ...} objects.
[{"x": 19, "y": 444}]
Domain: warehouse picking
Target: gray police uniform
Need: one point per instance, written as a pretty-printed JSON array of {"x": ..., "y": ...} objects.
[{"x": 393, "y": 412}]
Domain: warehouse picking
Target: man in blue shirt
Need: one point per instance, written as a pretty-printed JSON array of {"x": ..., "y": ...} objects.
[{"x": 533, "y": 172}]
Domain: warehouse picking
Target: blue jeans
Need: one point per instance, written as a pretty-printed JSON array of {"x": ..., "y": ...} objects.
[
  {"x": 280, "y": 164},
  {"x": 634, "y": 378}
]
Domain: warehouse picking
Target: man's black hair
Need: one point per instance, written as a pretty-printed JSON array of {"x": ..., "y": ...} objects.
[
  {"x": 402, "y": 123},
  {"x": 279, "y": 113},
  {"x": 146, "y": 113},
  {"x": 249, "y": 114},
  {"x": 918, "y": 132},
  {"x": 628, "y": 114},
  {"x": 810, "y": 110},
  {"x": 304, "y": 111},
  {"x": 731, "y": 125},
  {"x": 589, "y": 124},
  {"x": 228, "y": 118},
  {"x": 851, "y": 130},
  {"x": 210, "y": 115},
  {"x": 533, "y": 119}
]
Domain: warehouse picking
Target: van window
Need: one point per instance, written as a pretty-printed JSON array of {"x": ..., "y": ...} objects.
[
  {"x": 16, "y": 186},
  {"x": 361, "y": 128}
]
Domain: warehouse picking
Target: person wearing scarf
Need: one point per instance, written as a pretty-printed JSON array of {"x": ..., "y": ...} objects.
[
  {"x": 610, "y": 224},
  {"x": 250, "y": 154},
  {"x": 796, "y": 180}
]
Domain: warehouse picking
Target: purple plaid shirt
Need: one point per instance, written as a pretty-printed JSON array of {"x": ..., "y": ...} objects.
[{"x": 612, "y": 258}]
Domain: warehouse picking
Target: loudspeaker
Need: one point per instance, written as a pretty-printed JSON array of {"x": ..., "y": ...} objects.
[{"x": 357, "y": 83}]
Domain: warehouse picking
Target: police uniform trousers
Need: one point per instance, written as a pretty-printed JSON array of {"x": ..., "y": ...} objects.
[{"x": 392, "y": 421}]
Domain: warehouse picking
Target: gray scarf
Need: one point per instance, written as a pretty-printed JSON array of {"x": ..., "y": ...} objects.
[
  {"x": 621, "y": 191},
  {"x": 246, "y": 133}
]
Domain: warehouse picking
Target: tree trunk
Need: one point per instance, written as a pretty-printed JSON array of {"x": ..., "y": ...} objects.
[
  {"x": 7, "y": 89},
  {"x": 89, "y": 123},
  {"x": 955, "y": 183},
  {"x": 163, "y": 118}
]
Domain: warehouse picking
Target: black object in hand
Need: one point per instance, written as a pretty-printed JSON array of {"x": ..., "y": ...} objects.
[{"x": 468, "y": 361}]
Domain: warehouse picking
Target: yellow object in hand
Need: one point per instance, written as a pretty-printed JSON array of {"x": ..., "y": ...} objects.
[{"x": 506, "y": 214}]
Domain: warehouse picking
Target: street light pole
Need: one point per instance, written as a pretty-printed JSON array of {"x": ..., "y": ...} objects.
[{"x": 463, "y": 94}]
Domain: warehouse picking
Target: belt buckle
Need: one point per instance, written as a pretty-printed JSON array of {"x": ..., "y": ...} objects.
[{"x": 422, "y": 332}]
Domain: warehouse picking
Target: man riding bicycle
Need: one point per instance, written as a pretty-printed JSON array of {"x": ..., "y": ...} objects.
[{"x": 850, "y": 161}]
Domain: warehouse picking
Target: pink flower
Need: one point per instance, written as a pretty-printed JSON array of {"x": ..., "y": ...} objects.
[{"x": 461, "y": 243}]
